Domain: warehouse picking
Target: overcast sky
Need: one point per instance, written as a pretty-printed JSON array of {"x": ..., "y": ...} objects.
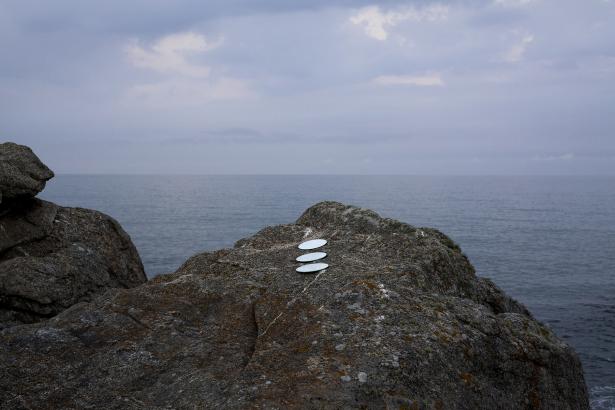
[{"x": 311, "y": 86}]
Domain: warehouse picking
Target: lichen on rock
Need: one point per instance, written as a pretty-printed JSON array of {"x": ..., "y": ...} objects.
[{"x": 398, "y": 320}]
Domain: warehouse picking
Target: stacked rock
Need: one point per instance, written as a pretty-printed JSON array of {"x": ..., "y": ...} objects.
[
  {"x": 52, "y": 257},
  {"x": 22, "y": 174},
  {"x": 309, "y": 259}
]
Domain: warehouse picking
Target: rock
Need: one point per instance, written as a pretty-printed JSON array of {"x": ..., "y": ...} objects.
[
  {"x": 53, "y": 257},
  {"x": 239, "y": 328},
  {"x": 22, "y": 174}
]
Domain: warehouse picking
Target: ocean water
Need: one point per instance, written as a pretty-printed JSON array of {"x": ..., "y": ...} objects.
[{"x": 547, "y": 241}]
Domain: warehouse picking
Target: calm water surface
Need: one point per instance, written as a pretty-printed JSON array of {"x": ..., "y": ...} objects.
[{"x": 547, "y": 241}]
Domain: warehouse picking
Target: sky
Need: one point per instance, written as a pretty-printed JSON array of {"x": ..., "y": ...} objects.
[{"x": 311, "y": 86}]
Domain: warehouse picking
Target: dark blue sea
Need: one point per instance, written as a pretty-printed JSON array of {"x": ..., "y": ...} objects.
[{"x": 547, "y": 241}]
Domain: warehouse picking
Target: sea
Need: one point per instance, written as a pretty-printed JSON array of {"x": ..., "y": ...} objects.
[{"x": 548, "y": 241}]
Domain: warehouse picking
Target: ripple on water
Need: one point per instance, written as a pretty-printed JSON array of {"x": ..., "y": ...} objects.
[{"x": 602, "y": 398}]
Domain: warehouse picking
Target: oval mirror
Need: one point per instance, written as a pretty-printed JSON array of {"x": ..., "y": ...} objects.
[
  {"x": 311, "y": 257},
  {"x": 312, "y": 267},
  {"x": 313, "y": 244}
]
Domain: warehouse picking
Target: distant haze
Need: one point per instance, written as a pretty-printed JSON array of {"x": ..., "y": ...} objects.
[{"x": 311, "y": 87}]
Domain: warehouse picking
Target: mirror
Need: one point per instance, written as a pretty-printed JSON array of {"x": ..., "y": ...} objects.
[
  {"x": 312, "y": 267},
  {"x": 313, "y": 244},
  {"x": 311, "y": 257}
]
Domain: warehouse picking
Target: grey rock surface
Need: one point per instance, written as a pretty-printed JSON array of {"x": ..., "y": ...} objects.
[
  {"x": 398, "y": 320},
  {"x": 53, "y": 257},
  {"x": 22, "y": 174}
]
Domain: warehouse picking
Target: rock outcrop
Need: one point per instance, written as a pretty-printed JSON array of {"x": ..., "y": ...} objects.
[
  {"x": 398, "y": 320},
  {"x": 52, "y": 257},
  {"x": 22, "y": 174}
]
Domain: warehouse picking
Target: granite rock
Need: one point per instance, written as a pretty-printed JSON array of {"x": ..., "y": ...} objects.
[
  {"x": 398, "y": 320},
  {"x": 52, "y": 257},
  {"x": 22, "y": 174}
]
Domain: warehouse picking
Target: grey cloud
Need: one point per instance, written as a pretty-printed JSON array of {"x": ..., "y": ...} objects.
[
  {"x": 249, "y": 136},
  {"x": 303, "y": 80},
  {"x": 153, "y": 16}
]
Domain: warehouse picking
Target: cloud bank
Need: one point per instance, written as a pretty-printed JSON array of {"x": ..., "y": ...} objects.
[{"x": 234, "y": 86}]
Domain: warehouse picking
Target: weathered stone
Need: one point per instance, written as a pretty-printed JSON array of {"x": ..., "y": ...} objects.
[
  {"x": 53, "y": 257},
  {"x": 22, "y": 174},
  {"x": 398, "y": 320}
]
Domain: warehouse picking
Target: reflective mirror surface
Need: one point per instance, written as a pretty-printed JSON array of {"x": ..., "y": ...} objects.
[
  {"x": 310, "y": 257},
  {"x": 312, "y": 267},
  {"x": 313, "y": 244}
]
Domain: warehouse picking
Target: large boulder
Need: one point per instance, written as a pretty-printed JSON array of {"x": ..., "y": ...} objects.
[
  {"x": 53, "y": 257},
  {"x": 22, "y": 174},
  {"x": 398, "y": 320}
]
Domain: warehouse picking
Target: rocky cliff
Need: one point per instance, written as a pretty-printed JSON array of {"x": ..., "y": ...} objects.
[
  {"x": 52, "y": 257},
  {"x": 398, "y": 320}
]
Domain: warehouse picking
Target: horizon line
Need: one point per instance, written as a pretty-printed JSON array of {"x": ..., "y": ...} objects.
[{"x": 341, "y": 175}]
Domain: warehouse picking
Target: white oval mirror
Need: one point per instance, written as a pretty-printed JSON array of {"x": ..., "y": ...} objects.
[
  {"x": 313, "y": 244},
  {"x": 311, "y": 257},
  {"x": 312, "y": 267}
]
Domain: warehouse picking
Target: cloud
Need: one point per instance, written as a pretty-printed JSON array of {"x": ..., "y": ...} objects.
[
  {"x": 563, "y": 157},
  {"x": 187, "y": 83},
  {"x": 236, "y": 135},
  {"x": 170, "y": 54},
  {"x": 516, "y": 52},
  {"x": 166, "y": 75},
  {"x": 188, "y": 92},
  {"x": 376, "y": 22},
  {"x": 513, "y": 3},
  {"x": 428, "y": 80}
]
